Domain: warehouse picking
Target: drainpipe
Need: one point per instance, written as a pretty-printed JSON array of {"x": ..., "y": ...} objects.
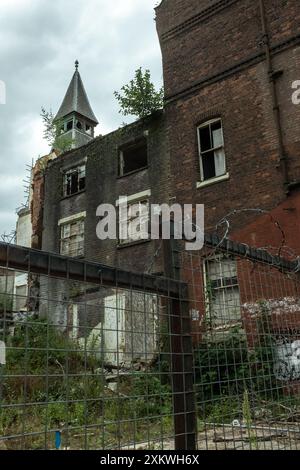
[{"x": 283, "y": 163}]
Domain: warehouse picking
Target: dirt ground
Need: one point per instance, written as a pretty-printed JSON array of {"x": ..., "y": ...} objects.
[
  {"x": 236, "y": 438},
  {"x": 227, "y": 437}
]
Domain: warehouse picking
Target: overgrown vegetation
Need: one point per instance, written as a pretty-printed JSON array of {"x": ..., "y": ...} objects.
[
  {"x": 6, "y": 303},
  {"x": 50, "y": 383},
  {"x": 139, "y": 97},
  {"x": 53, "y": 132},
  {"x": 233, "y": 380}
]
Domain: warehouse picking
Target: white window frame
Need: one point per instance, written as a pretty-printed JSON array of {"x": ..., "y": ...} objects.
[
  {"x": 215, "y": 179},
  {"x": 227, "y": 321},
  {"x": 134, "y": 199},
  {"x": 80, "y": 217}
]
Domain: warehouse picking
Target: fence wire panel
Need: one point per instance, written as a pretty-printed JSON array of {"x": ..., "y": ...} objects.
[
  {"x": 246, "y": 336},
  {"x": 93, "y": 357},
  {"x": 85, "y": 365}
]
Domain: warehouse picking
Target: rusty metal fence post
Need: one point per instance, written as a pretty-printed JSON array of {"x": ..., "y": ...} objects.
[{"x": 182, "y": 371}]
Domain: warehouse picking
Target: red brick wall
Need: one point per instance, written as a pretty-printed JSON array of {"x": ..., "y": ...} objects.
[
  {"x": 223, "y": 40},
  {"x": 171, "y": 13},
  {"x": 37, "y": 204},
  {"x": 262, "y": 289},
  {"x": 220, "y": 39},
  {"x": 266, "y": 230}
]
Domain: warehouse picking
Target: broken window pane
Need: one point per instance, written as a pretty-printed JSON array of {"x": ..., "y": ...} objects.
[
  {"x": 205, "y": 139},
  {"x": 211, "y": 149},
  {"x": 208, "y": 164},
  {"x": 72, "y": 238},
  {"x": 133, "y": 157},
  {"x": 74, "y": 181}
]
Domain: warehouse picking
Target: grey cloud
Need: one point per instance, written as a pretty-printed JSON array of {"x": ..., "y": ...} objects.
[{"x": 39, "y": 41}]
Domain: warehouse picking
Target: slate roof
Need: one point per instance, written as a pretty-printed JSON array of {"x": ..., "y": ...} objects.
[{"x": 76, "y": 100}]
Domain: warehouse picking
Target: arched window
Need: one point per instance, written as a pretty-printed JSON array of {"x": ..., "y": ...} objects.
[{"x": 69, "y": 125}]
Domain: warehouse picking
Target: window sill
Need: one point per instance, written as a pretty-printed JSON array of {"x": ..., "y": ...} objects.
[
  {"x": 131, "y": 244},
  {"x": 77, "y": 257},
  {"x": 133, "y": 172},
  {"x": 72, "y": 195},
  {"x": 203, "y": 184}
]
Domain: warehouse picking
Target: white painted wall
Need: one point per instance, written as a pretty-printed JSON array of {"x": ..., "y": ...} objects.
[
  {"x": 24, "y": 229},
  {"x": 114, "y": 328}
]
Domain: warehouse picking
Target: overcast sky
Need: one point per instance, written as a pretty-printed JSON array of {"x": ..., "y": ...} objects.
[{"x": 39, "y": 42}]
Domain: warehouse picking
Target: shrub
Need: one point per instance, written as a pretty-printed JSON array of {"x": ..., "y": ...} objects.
[
  {"x": 227, "y": 367},
  {"x": 6, "y": 303}
]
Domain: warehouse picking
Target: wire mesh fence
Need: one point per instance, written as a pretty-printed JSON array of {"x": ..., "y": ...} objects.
[
  {"x": 93, "y": 357},
  {"x": 245, "y": 311},
  {"x": 87, "y": 357}
]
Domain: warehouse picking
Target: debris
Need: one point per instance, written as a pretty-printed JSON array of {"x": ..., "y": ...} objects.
[{"x": 2, "y": 446}]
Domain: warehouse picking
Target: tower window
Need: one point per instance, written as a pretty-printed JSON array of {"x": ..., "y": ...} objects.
[
  {"x": 74, "y": 180},
  {"x": 133, "y": 157},
  {"x": 211, "y": 150},
  {"x": 69, "y": 125},
  {"x": 79, "y": 125}
]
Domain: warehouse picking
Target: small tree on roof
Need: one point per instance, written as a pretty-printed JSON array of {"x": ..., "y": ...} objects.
[
  {"x": 53, "y": 132},
  {"x": 139, "y": 97}
]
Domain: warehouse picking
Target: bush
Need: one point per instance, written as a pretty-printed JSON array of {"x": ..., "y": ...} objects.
[
  {"x": 227, "y": 367},
  {"x": 6, "y": 303},
  {"x": 153, "y": 397},
  {"x": 37, "y": 345}
]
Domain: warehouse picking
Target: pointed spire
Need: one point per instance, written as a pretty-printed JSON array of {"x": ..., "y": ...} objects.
[{"x": 76, "y": 100}]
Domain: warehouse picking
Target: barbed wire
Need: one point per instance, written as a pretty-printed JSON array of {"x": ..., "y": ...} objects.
[
  {"x": 9, "y": 238},
  {"x": 226, "y": 220},
  {"x": 155, "y": 256},
  {"x": 280, "y": 251},
  {"x": 275, "y": 252}
]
